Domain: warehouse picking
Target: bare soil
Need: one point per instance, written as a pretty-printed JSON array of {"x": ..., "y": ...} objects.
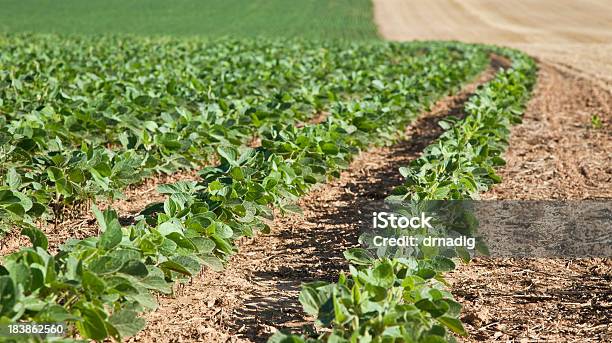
[
  {"x": 557, "y": 153},
  {"x": 554, "y": 154}
]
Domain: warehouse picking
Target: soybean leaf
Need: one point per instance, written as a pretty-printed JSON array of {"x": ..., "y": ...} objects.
[
  {"x": 37, "y": 237},
  {"x": 127, "y": 323}
]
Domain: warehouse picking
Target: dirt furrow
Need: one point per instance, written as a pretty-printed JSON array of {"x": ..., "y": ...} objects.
[
  {"x": 556, "y": 153},
  {"x": 257, "y": 294}
]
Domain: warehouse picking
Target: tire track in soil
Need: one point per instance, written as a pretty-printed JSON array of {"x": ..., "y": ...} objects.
[{"x": 257, "y": 293}]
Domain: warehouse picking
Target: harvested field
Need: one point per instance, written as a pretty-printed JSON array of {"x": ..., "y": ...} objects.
[
  {"x": 576, "y": 35},
  {"x": 495, "y": 22}
]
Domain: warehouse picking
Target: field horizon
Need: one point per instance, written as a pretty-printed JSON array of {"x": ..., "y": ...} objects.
[{"x": 318, "y": 19}]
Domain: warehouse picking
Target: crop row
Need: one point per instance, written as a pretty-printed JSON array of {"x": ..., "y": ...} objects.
[
  {"x": 81, "y": 121},
  {"x": 390, "y": 298},
  {"x": 101, "y": 283}
]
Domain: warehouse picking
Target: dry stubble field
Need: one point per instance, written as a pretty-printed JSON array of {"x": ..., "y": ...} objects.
[{"x": 575, "y": 35}]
